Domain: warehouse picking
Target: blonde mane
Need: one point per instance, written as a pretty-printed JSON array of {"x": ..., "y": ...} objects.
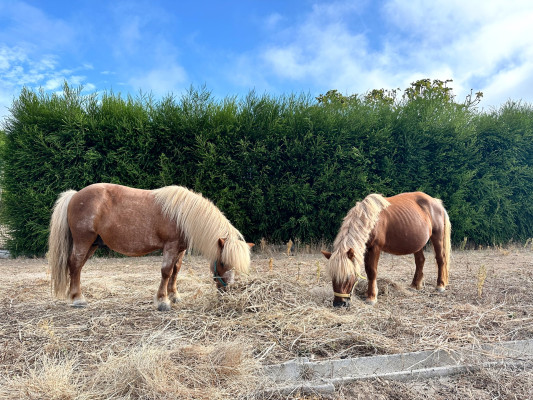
[
  {"x": 202, "y": 224},
  {"x": 353, "y": 234}
]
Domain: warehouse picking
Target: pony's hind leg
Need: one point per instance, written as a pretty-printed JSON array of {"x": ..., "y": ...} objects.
[
  {"x": 79, "y": 256},
  {"x": 439, "y": 257},
  {"x": 419, "y": 274},
  {"x": 172, "y": 287}
]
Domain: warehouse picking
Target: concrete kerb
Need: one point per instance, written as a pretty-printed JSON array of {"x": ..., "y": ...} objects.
[{"x": 323, "y": 376}]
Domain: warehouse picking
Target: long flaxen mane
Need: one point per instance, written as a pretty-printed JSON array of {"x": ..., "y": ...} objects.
[
  {"x": 202, "y": 224},
  {"x": 353, "y": 234}
]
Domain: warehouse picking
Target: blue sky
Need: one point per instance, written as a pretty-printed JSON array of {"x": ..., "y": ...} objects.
[{"x": 270, "y": 46}]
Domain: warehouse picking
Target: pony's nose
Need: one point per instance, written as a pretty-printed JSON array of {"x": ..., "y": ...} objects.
[
  {"x": 229, "y": 277},
  {"x": 341, "y": 303}
]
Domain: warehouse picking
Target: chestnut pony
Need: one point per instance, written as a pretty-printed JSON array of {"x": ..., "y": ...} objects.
[
  {"x": 399, "y": 225},
  {"x": 135, "y": 222}
]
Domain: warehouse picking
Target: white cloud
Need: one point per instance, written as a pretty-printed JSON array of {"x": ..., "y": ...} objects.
[
  {"x": 53, "y": 84},
  {"x": 161, "y": 81},
  {"x": 273, "y": 20},
  {"x": 481, "y": 45},
  {"x": 18, "y": 69},
  {"x": 31, "y": 47},
  {"x": 485, "y": 45},
  {"x": 518, "y": 81},
  {"x": 322, "y": 51}
]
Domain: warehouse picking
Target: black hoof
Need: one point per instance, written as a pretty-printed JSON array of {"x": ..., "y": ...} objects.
[
  {"x": 162, "y": 306},
  {"x": 341, "y": 303}
]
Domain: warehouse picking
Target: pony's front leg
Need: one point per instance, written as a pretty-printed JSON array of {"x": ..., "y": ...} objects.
[
  {"x": 170, "y": 257},
  {"x": 419, "y": 274},
  {"x": 172, "y": 287},
  {"x": 371, "y": 268}
]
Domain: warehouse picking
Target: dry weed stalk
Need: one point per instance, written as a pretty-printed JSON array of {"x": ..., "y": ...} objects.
[
  {"x": 503, "y": 250},
  {"x": 481, "y": 276},
  {"x": 463, "y": 244},
  {"x": 289, "y": 247}
]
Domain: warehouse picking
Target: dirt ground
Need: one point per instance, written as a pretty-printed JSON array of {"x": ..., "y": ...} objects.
[{"x": 212, "y": 345}]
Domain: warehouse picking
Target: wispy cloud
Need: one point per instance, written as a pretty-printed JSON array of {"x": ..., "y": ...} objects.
[
  {"x": 161, "y": 81},
  {"x": 18, "y": 68},
  {"x": 31, "y": 44},
  {"x": 144, "y": 52},
  {"x": 29, "y": 27}
]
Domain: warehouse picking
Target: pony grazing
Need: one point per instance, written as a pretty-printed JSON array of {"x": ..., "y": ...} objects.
[
  {"x": 135, "y": 222},
  {"x": 399, "y": 225}
]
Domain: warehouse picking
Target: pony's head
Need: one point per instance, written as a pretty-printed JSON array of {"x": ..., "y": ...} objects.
[
  {"x": 233, "y": 257},
  {"x": 344, "y": 272}
]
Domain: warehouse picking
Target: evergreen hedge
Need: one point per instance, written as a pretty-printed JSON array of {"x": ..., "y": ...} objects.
[{"x": 279, "y": 167}]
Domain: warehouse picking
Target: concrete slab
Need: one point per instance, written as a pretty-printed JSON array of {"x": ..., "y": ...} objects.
[{"x": 321, "y": 375}]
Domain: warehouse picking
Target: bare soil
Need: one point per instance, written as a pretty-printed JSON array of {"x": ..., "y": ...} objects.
[{"x": 213, "y": 345}]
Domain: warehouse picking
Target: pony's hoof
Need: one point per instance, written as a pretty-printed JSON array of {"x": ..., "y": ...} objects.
[
  {"x": 80, "y": 303},
  {"x": 371, "y": 302},
  {"x": 415, "y": 287},
  {"x": 441, "y": 289},
  {"x": 175, "y": 299},
  {"x": 163, "y": 306}
]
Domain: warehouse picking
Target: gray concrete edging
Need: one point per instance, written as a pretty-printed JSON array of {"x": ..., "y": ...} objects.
[{"x": 323, "y": 376}]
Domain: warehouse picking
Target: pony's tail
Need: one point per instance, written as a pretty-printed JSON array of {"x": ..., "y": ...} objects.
[
  {"x": 447, "y": 248},
  {"x": 60, "y": 245}
]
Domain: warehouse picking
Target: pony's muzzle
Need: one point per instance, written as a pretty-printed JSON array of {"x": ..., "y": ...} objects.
[
  {"x": 229, "y": 277},
  {"x": 341, "y": 303},
  {"x": 224, "y": 281}
]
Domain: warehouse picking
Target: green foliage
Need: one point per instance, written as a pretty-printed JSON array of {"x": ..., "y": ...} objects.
[{"x": 279, "y": 168}]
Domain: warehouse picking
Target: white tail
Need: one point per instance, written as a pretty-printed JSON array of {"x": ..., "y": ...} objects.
[{"x": 60, "y": 245}]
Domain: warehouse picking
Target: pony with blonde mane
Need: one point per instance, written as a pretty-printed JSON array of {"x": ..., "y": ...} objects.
[
  {"x": 135, "y": 222},
  {"x": 399, "y": 225}
]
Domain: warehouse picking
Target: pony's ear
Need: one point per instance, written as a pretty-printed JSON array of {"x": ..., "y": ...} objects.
[
  {"x": 327, "y": 254},
  {"x": 351, "y": 254},
  {"x": 251, "y": 244},
  {"x": 221, "y": 243}
]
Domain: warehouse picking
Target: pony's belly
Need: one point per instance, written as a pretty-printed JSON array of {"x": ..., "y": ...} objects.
[
  {"x": 139, "y": 244},
  {"x": 402, "y": 243}
]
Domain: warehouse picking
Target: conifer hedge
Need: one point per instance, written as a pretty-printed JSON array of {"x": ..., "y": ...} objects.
[{"x": 280, "y": 168}]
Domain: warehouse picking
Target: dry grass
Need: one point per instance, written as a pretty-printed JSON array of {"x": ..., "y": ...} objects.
[{"x": 212, "y": 346}]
